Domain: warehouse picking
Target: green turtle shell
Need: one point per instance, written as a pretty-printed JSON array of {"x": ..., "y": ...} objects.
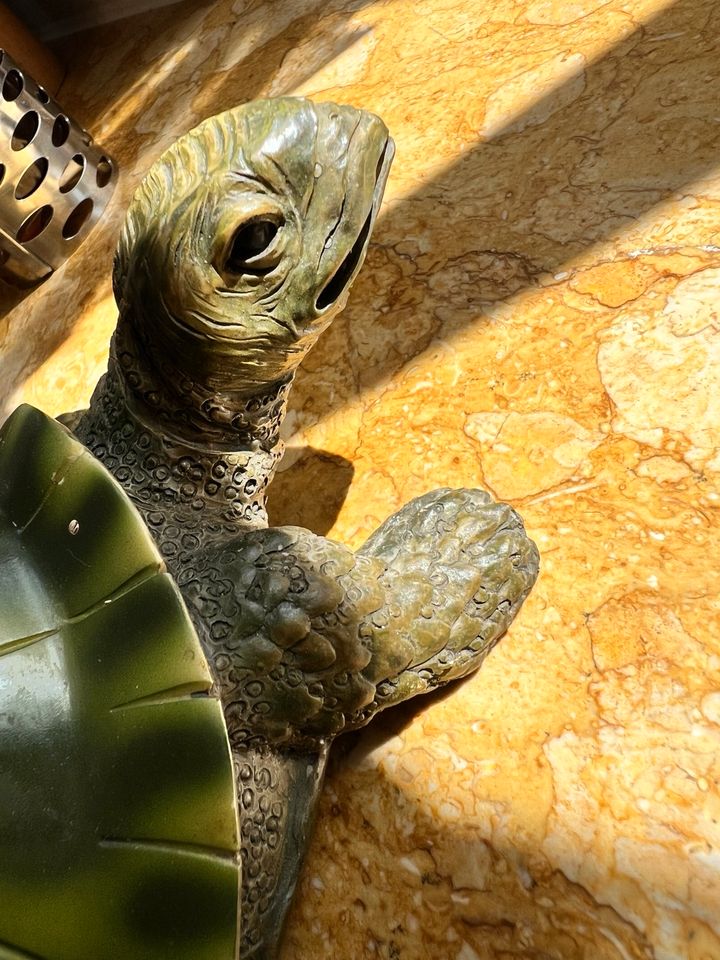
[{"x": 118, "y": 824}]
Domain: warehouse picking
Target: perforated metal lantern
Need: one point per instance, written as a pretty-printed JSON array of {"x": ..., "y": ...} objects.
[{"x": 54, "y": 181}]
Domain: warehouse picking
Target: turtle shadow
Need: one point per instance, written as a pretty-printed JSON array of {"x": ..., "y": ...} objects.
[
  {"x": 388, "y": 724},
  {"x": 309, "y": 489}
]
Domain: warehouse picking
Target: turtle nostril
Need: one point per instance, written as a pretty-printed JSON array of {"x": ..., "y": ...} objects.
[
  {"x": 381, "y": 160},
  {"x": 344, "y": 273},
  {"x": 339, "y": 280}
]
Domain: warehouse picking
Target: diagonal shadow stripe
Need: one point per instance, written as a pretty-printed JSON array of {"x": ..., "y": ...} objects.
[{"x": 579, "y": 165}]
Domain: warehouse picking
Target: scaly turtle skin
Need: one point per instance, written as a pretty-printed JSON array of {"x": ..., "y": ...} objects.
[{"x": 238, "y": 250}]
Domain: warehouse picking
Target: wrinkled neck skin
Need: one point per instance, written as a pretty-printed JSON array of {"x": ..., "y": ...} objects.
[{"x": 196, "y": 464}]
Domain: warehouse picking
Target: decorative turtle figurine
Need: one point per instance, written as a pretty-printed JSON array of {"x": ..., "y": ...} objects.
[{"x": 238, "y": 250}]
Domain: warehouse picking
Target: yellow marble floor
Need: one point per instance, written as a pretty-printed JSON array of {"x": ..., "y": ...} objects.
[{"x": 538, "y": 315}]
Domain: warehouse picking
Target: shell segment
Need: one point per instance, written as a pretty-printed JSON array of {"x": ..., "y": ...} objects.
[{"x": 118, "y": 823}]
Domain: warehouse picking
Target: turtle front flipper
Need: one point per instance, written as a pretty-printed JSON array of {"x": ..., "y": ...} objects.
[
  {"x": 308, "y": 639},
  {"x": 457, "y": 567},
  {"x": 280, "y": 612}
]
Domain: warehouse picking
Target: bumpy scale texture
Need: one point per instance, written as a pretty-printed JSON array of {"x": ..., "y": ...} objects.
[
  {"x": 238, "y": 251},
  {"x": 309, "y": 639}
]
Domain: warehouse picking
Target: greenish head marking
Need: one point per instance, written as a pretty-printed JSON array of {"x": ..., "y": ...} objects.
[{"x": 242, "y": 242}]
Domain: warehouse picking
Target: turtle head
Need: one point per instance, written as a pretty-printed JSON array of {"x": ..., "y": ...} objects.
[{"x": 240, "y": 246}]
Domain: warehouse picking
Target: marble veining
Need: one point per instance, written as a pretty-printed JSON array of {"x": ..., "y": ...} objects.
[{"x": 538, "y": 315}]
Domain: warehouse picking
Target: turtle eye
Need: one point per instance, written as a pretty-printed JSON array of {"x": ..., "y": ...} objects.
[{"x": 252, "y": 248}]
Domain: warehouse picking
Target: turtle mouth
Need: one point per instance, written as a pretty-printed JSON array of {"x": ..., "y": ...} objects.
[{"x": 344, "y": 274}]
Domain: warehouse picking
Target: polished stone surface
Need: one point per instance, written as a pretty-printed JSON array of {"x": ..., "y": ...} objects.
[{"x": 538, "y": 314}]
